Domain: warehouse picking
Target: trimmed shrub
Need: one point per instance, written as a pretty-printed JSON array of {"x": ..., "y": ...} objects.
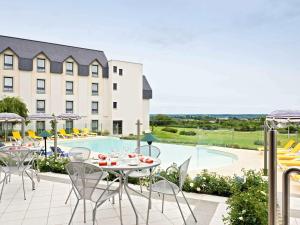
[
  {"x": 259, "y": 142},
  {"x": 187, "y": 133},
  {"x": 105, "y": 133},
  {"x": 53, "y": 164},
  {"x": 170, "y": 130}
]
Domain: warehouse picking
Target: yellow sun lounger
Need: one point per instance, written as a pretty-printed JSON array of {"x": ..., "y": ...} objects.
[
  {"x": 17, "y": 136},
  {"x": 294, "y": 150},
  {"x": 288, "y": 145},
  {"x": 62, "y": 133},
  {"x": 77, "y": 133},
  {"x": 86, "y": 131},
  {"x": 288, "y": 163},
  {"x": 31, "y": 134},
  {"x": 284, "y": 149}
]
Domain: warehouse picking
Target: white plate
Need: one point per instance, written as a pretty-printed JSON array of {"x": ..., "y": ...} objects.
[{"x": 133, "y": 164}]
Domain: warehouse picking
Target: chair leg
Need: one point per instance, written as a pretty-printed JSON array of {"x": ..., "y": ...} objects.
[
  {"x": 23, "y": 186},
  {"x": 120, "y": 206},
  {"x": 69, "y": 195},
  {"x": 162, "y": 205},
  {"x": 189, "y": 206},
  {"x": 73, "y": 212},
  {"x": 149, "y": 203},
  {"x": 84, "y": 211},
  {"x": 94, "y": 214},
  {"x": 141, "y": 187},
  {"x": 31, "y": 178},
  {"x": 180, "y": 209},
  {"x": 4, "y": 180}
]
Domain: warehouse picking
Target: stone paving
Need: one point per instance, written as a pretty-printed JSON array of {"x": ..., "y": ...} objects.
[{"x": 45, "y": 206}]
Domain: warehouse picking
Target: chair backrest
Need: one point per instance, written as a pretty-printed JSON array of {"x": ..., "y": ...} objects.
[
  {"x": 296, "y": 148},
  {"x": 75, "y": 130},
  {"x": 86, "y": 130},
  {"x": 16, "y": 135},
  {"x": 149, "y": 150},
  {"x": 79, "y": 154},
  {"x": 62, "y": 132},
  {"x": 16, "y": 156},
  {"x": 183, "y": 169},
  {"x": 31, "y": 133},
  {"x": 289, "y": 144},
  {"x": 85, "y": 178}
]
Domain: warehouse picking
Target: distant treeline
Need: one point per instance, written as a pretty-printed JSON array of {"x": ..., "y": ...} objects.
[{"x": 252, "y": 122}]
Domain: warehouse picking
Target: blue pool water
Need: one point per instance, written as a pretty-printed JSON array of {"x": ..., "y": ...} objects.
[{"x": 202, "y": 158}]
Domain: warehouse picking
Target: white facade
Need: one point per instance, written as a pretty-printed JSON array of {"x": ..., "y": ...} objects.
[{"x": 120, "y": 95}]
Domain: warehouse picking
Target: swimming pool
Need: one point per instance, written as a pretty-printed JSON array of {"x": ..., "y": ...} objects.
[{"x": 202, "y": 158}]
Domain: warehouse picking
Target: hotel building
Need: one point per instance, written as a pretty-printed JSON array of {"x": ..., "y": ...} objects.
[{"x": 111, "y": 95}]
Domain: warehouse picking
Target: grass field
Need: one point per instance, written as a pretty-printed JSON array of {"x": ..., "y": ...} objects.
[{"x": 227, "y": 138}]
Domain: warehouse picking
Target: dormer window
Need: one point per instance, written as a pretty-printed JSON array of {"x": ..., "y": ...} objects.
[
  {"x": 8, "y": 61},
  {"x": 41, "y": 65},
  {"x": 69, "y": 68},
  {"x": 95, "y": 70}
]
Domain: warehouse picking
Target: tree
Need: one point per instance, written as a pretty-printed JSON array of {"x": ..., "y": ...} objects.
[{"x": 14, "y": 105}]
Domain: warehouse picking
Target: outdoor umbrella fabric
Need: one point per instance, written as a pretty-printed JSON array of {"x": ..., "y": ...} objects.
[{"x": 12, "y": 117}]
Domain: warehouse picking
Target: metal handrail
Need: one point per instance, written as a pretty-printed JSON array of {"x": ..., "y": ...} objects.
[
  {"x": 286, "y": 194},
  {"x": 272, "y": 172}
]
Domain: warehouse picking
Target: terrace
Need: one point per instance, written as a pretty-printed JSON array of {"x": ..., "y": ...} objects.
[{"x": 208, "y": 193}]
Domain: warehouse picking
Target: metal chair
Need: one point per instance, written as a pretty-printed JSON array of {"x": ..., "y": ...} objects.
[
  {"x": 5, "y": 176},
  {"x": 146, "y": 150},
  {"x": 18, "y": 160},
  {"x": 78, "y": 154},
  {"x": 165, "y": 187},
  {"x": 85, "y": 179}
]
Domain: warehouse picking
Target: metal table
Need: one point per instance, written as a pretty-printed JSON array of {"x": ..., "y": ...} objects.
[{"x": 125, "y": 169}]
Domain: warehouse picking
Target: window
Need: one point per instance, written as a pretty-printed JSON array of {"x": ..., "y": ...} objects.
[
  {"x": 8, "y": 85},
  {"x": 8, "y": 61},
  {"x": 69, "y": 87},
  {"x": 94, "y": 88},
  {"x": 69, "y": 106},
  {"x": 69, "y": 68},
  {"x": 40, "y": 86},
  {"x": 117, "y": 127},
  {"x": 115, "y": 86},
  {"x": 95, "y": 70},
  {"x": 69, "y": 126},
  {"x": 40, "y": 126},
  {"x": 41, "y": 65},
  {"x": 94, "y": 107},
  {"x": 120, "y": 72},
  {"x": 115, "y": 69},
  {"x": 115, "y": 105},
  {"x": 94, "y": 125},
  {"x": 40, "y": 106}
]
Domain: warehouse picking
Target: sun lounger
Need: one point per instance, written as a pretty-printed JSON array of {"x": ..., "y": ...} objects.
[
  {"x": 59, "y": 151},
  {"x": 32, "y": 134},
  {"x": 63, "y": 134},
  {"x": 17, "y": 136},
  {"x": 86, "y": 131},
  {"x": 77, "y": 133},
  {"x": 294, "y": 150}
]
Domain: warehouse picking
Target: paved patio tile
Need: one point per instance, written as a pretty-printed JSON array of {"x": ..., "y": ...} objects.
[{"x": 46, "y": 206}]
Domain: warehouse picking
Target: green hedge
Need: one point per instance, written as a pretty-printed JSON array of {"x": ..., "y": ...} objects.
[
  {"x": 187, "y": 133},
  {"x": 170, "y": 130}
]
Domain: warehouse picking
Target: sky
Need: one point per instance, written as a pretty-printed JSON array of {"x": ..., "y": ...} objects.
[{"x": 202, "y": 56}]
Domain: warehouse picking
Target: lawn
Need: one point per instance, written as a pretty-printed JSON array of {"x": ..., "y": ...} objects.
[{"x": 229, "y": 138}]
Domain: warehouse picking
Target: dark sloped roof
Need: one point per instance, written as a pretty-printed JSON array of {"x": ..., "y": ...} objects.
[
  {"x": 147, "y": 90},
  {"x": 57, "y": 54}
]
